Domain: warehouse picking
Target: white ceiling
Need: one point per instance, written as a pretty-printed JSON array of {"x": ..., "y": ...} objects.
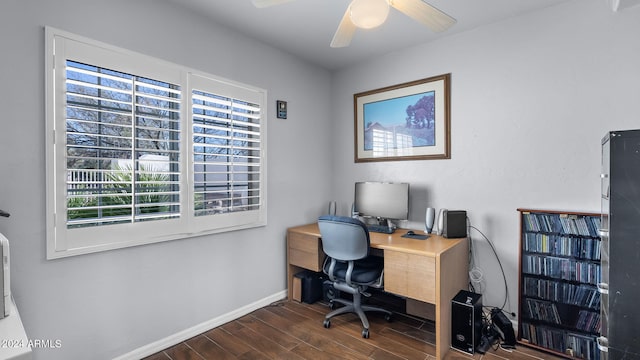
[{"x": 305, "y": 27}]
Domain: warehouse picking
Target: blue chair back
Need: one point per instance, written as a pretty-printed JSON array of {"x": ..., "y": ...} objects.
[{"x": 344, "y": 238}]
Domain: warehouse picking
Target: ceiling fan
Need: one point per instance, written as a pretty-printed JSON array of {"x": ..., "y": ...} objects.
[{"x": 367, "y": 14}]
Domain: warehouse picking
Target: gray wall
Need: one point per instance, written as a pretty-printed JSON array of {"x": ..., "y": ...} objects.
[
  {"x": 531, "y": 99},
  {"x": 107, "y": 304}
]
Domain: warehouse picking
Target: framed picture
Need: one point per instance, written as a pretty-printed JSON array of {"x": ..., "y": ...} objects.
[{"x": 409, "y": 121}]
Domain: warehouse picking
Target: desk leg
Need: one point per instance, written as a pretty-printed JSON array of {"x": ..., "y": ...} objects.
[
  {"x": 453, "y": 276},
  {"x": 292, "y": 270}
]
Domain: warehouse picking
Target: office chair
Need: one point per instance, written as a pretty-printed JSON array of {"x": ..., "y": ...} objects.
[{"x": 350, "y": 268}]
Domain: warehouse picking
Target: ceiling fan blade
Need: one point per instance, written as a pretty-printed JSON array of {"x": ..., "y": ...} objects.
[
  {"x": 424, "y": 13},
  {"x": 266, "y": 3},
  {"x": 344, "y": 34}
]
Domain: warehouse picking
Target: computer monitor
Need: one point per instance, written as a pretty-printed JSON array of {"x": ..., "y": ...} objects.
[{"x": 381, "y": 200}]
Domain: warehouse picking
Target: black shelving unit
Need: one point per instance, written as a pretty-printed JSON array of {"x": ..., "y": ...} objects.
[
  {"x": 559, "y": 302},
  {"x": 620, "y": 291}
]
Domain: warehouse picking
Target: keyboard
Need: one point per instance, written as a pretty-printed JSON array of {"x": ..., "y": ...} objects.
[{"x": 380, "y": 229}]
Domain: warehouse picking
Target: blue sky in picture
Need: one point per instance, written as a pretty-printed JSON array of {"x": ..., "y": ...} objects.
[
  {"x": 390, "y": 112},
  {"x": 402, "y": 128}
]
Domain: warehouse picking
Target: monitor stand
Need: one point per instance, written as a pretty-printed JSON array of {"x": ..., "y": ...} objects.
[{"x": 390, "y": 225}]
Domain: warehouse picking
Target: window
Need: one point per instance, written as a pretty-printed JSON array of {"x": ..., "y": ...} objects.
[
  {"x": 122, "y": 147},
  {"x": 145, "y": 151}
]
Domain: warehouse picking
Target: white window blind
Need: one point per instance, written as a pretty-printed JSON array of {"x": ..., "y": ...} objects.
[
  {"x": 122, "y": 147},
  {"x": 226, "y": 154},
  {"x": 144, "y": 150}
]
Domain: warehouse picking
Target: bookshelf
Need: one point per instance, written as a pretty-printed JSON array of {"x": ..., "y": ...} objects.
[{"x": 559, "y": 302}]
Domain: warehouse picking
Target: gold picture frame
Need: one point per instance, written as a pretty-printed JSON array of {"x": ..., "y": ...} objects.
[{"x": 409, "y": 121}]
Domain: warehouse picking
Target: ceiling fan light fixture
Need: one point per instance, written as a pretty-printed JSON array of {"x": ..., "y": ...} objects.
[{"x": 368, "y": 14}]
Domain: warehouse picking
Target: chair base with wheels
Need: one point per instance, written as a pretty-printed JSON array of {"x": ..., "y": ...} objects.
[
  {"x": 354, "y": 306},
  {"x": 350, "y": 268}
]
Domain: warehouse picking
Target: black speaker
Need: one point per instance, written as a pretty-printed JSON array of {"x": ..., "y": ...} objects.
[
  {"x": 454, "y": 224},
  {"x": 328, "y": 291},
  {"x": 466, "y": 321}
]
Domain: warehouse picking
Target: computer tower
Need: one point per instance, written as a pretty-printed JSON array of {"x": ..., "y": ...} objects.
[{"x": 466, "y": 321}]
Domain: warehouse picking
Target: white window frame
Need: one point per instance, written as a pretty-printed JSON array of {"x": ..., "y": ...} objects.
[{"x": 63, "y": 241}]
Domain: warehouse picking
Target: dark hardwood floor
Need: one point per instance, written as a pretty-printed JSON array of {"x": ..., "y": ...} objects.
[{"x": 291, "y": 330}]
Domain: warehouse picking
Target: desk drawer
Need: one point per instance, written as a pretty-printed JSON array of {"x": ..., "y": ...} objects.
[
  {"x": 305, "y": 251},
  {"x": 410, "y": 275}
]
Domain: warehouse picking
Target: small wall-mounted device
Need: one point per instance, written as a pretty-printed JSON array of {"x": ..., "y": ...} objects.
[{"x": 281, "y": 107}]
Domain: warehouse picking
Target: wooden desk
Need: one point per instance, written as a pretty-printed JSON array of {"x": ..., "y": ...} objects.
[{"x": 430, "y": 271}]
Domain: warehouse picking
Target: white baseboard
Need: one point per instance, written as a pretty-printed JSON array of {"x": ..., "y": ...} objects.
[{"x": 183, "y": 335}]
